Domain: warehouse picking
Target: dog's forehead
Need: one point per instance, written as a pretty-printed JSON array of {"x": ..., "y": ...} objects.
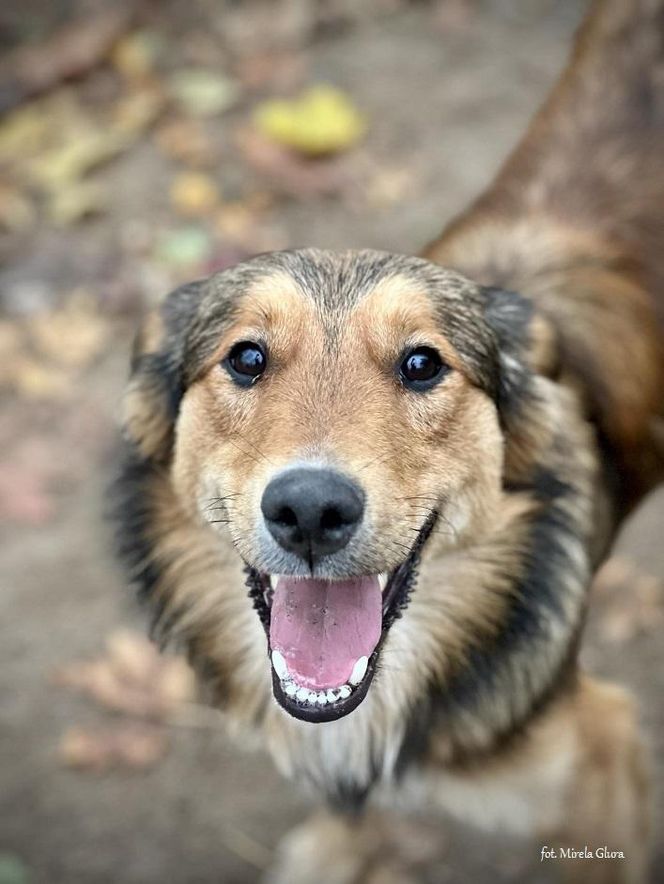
[
  {"x": 330, "y": 288},
  {"x": 338, "y": 282}
]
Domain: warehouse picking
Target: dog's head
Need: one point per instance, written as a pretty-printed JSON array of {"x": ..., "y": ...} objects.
[{"x": 333, "y": 416}]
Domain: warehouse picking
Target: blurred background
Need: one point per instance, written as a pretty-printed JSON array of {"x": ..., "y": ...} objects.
[{"x": 148, "y": 142}]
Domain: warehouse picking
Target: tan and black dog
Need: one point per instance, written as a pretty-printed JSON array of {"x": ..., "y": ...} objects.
[{"x": 368, "y": 492}]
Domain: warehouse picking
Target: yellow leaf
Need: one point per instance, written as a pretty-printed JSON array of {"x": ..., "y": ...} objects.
[
  {"x": 75, "y": 201},
  {"x": 134, "y": 56},
  {"x": 321, "y": 120},
  {"x": 194, "y": 194},
  {"x": 76, "y": 157}
]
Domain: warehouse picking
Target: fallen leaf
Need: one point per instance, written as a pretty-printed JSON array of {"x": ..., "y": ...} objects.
[
  {"x": 33, "y": 379},
  {"x": 194, "y": 194},
  {"x": 69, "y": 52},
  {"x": 13, "y": 870},
  {"x": 77, "y": 200},
  {"x": 132, "y": 678},
  {"x": 74, "y": 158},
  {"x": 292, "y": 173},
  {"x": 135, "y": 55},
  {"x": 24, "y": 132},
  {"x": 630, "y": 601},
  {"x": 183, "y": 247},
  {"x": 131, "y": 744},
  {"x": 389, "y": 186},
  {"x": 615, "y": 572},
  {"x": 17, "y": 211},
  {"x": 186, "y": 140},
  {"x": 136, "y": 112},
  {"x": 202, "y": 93},
  {"x": 72, "y": 336},
  {"x": 24, "y": 495},
  {"x": 322, "y": 120}
]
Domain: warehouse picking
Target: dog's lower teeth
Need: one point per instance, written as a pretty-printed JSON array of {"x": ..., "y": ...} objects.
[
  {"x": 317, "y": 698},
  {"x": 279, "y": 664},
  {"x": 359, "y": 671}
]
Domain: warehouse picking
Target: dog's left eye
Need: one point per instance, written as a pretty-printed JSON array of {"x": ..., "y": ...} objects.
[
  {"x": 246, "y": 362},
  {"x": 421, "y": 368}
]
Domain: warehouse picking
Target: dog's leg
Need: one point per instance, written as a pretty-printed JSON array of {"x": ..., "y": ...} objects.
[
  {"x": 576, "y": 779},
  {"x": 606, "y": 804},
  {"x": 332, "y": 848}
]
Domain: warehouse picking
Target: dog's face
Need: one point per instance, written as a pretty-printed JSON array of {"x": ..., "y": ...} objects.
[{"x": 335, "y": 415}]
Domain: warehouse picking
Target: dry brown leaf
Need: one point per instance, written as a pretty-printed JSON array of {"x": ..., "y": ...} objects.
[
  {"x": 293, "y": 174},
  {"x": 17, "y": 211},
  {"x": 137, "y": 111},
  {"x": 24, "y": 495},
  {"x": 132, "y": 678},
  {"x": 615, "y": 572},
  {"x": 132, "y": 744},
  {"x": 187, "y": 141},
  {"x": 389, "y": 186},
  {"x": 632, "y": 601},
  {"x": 135, "y": 55},
  {"x": 69, "y": 52},
  {"x": 70, "y": 337}
]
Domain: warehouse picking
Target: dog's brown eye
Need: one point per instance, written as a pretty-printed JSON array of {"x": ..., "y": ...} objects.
[
  {"x": 421, "y": 368},
  {"x": 246, "y": 362}
]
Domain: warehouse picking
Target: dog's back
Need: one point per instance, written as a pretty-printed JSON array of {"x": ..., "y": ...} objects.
[{"x": 575, "y": 220}]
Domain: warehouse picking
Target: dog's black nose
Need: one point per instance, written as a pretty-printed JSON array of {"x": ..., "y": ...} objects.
[{"x": 312, "y": 512}]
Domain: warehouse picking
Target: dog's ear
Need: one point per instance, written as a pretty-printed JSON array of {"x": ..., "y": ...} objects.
[
  {"x": 152, "y": 397},
  {"x": 526, "y": 344}
]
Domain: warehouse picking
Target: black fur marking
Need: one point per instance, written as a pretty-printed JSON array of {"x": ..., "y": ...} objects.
[
  {"x": 489, "y": 668},
  {"x": 350, "y": 798},
  {"x": 131, "y": 511},
  {"x": 509, "y": 315}
]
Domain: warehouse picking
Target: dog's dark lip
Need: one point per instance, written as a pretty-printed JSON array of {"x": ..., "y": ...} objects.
[{"x": 396, "y": 596}]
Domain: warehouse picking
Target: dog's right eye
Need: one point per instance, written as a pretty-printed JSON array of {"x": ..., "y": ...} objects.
[{"x": 245, "y": 363}]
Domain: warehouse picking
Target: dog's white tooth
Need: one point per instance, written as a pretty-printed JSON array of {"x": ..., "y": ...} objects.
[
  {"x": 312, "y": 697},
  {"x": 291, "y": 689},
  {"x": 280, "y": 666},
  {"x": 344, "y": 692},
  {"x": 302, "y": 694},
  {"x": 359, "y": 671},
  {"x": 331, "y": 696},
  {"x": 321, "y": 698},
  {"x": 382, "y": 581}
]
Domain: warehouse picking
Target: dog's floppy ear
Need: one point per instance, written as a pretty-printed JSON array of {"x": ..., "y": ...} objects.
[
  {"x": 152, "y": 398},
  {"x": 526, "y": 343}
]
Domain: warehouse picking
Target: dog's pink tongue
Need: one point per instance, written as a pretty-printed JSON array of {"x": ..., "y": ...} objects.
[{"x": 322, "y": 628}]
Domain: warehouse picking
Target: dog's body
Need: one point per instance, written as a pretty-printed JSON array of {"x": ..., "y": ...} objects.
[{"x": 489, "y": 491}]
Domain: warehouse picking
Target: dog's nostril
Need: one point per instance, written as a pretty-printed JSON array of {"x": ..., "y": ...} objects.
[
  {"x": 331, "y": 519},
  {"x": 286, "y": 516}
]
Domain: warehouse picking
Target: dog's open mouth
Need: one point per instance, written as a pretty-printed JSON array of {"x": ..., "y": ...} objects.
[{"x": 324, "y": 637}]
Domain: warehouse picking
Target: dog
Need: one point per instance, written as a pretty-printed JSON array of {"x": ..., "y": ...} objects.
[{"x": 368, "y": 492}]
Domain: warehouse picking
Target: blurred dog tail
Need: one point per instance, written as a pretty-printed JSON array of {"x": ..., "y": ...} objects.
[{"x": 575, "y": 220}]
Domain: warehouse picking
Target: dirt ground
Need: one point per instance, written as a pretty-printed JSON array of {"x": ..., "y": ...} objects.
[{"x": 445, "y": 88}]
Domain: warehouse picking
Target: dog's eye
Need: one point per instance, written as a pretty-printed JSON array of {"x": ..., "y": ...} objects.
[
  {"x": 421, "y": 368},
  {"x": 246, "y": 362}
]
